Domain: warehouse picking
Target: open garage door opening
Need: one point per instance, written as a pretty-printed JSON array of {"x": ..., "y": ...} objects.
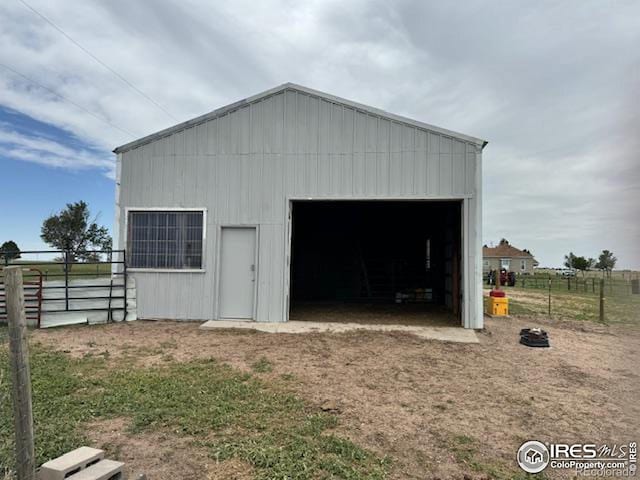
[{"x": 376, "y": 261}]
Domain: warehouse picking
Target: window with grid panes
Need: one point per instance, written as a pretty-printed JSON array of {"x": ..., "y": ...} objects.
[{"x": 165, "y": 239}]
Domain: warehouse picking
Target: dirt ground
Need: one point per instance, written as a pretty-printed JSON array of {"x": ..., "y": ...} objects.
[
  {"x": 394, "y": 314},
  {"x": 438, "y": 410}
]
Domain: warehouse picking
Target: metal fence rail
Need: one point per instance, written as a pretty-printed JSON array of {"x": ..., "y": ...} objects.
[{"x": 64, "y": 269}]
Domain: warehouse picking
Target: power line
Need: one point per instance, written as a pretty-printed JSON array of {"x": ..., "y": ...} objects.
[
  {"x": 127, "y": 82},
  {"x": 50, "y": 90}
]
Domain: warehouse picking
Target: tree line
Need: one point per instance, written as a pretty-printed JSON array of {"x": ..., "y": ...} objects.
[{"x": 606, "y": 262}]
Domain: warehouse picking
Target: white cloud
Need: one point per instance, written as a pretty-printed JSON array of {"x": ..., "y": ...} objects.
[
  {"x": 552, "y": 86},
  {"x": 51, "y": 153}
]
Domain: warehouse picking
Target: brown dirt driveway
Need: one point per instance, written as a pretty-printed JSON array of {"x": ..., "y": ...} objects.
[{"x": 439, "y": 410}]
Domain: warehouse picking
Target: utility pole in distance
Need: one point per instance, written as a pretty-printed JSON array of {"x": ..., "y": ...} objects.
[{"x": 20, "y": 373}]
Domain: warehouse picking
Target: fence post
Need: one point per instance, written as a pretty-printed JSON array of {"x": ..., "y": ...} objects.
[
  {"x": 66, "y": 280},
  {"x": 602, "y": 301},
  {"x": 124, "y": 273},
  {"x": 550, "y": 295},
  {"x": 20, "y": 373}
]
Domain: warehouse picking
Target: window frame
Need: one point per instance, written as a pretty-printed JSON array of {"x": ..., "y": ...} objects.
[{"x": 167, "y": 209}]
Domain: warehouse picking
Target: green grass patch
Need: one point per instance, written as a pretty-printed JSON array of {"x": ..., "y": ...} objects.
[
  {"x": 55, "y": 271},
  {"x": 262, "y": 366},
  {"x": 233, "y": 414}
]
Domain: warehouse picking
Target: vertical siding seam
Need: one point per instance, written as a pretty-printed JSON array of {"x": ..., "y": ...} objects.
[
  {"x": 342, "y": 154},
  {"x": 414, "y": 187},
  {"x": 375, "y": 149},
  {"x": 464, "y": 169},
  {"x": 329, "y": 159},
  {"x": 388, "y": 152},
  {"x": 251, "y": 161},
  {"x": 452, "y": 164},
  {"x": 353, "y": 152},
  {"x": 427, "y": 174},
  {"x": 317, "y": 152}
]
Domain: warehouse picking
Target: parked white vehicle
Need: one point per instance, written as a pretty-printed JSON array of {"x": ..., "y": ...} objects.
[{"x": 567, "y": 272}]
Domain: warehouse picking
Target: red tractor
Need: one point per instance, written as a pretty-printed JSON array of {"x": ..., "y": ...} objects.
[{"x": 507, "y": 278}]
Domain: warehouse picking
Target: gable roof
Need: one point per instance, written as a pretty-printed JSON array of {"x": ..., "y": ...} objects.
[
  {"x": 504, "y": 250},
  {"x": 297, "y": 88}
]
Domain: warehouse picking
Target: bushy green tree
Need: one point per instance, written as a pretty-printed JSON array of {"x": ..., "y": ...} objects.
[
  {"x": 72, "y": 230},
  {"x": 578, "y": 263},
  {"x": 9, "y": 251},
  {"x": 581, "y": 263},
  {"x": 606, "y": 262},
  {"x": 569, "y": 260}
]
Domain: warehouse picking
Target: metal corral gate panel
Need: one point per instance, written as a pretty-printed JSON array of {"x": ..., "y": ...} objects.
[{"x": 59, "y": 291}]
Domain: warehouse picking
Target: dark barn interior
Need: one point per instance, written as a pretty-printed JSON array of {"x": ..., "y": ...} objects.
[{"x": 376, "y": 256}]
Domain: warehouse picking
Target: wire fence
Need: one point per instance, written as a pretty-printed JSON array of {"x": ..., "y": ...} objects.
[
  {"x": 612, "y": 286},
  {"x": 606, "y": 300}
]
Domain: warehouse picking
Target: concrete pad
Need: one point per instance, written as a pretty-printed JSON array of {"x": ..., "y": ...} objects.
[{"x": 445, "y": 334}]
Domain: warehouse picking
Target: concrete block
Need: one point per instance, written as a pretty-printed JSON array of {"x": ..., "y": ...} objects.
[
  {"x": 103, "y": 470},
  {"x": 70, "y": 463}
]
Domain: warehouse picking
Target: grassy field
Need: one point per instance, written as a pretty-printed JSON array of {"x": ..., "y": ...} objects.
[
  {"x": 55, "y": 271},
  {"x": 572, "y": 305},
  {"x": 579, "y": 284},
  {"x": 615, "y": 275},
  {"x": 234, "y": 414}
]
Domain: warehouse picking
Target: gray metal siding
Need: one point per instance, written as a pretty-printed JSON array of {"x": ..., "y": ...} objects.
[{"x": 244, "y": 166}]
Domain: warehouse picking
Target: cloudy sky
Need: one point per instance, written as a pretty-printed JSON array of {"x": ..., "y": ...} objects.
[{"x": 553, "y": 86}]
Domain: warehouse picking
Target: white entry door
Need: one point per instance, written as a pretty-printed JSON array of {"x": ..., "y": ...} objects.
[{"x": 237, "y": 272}]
